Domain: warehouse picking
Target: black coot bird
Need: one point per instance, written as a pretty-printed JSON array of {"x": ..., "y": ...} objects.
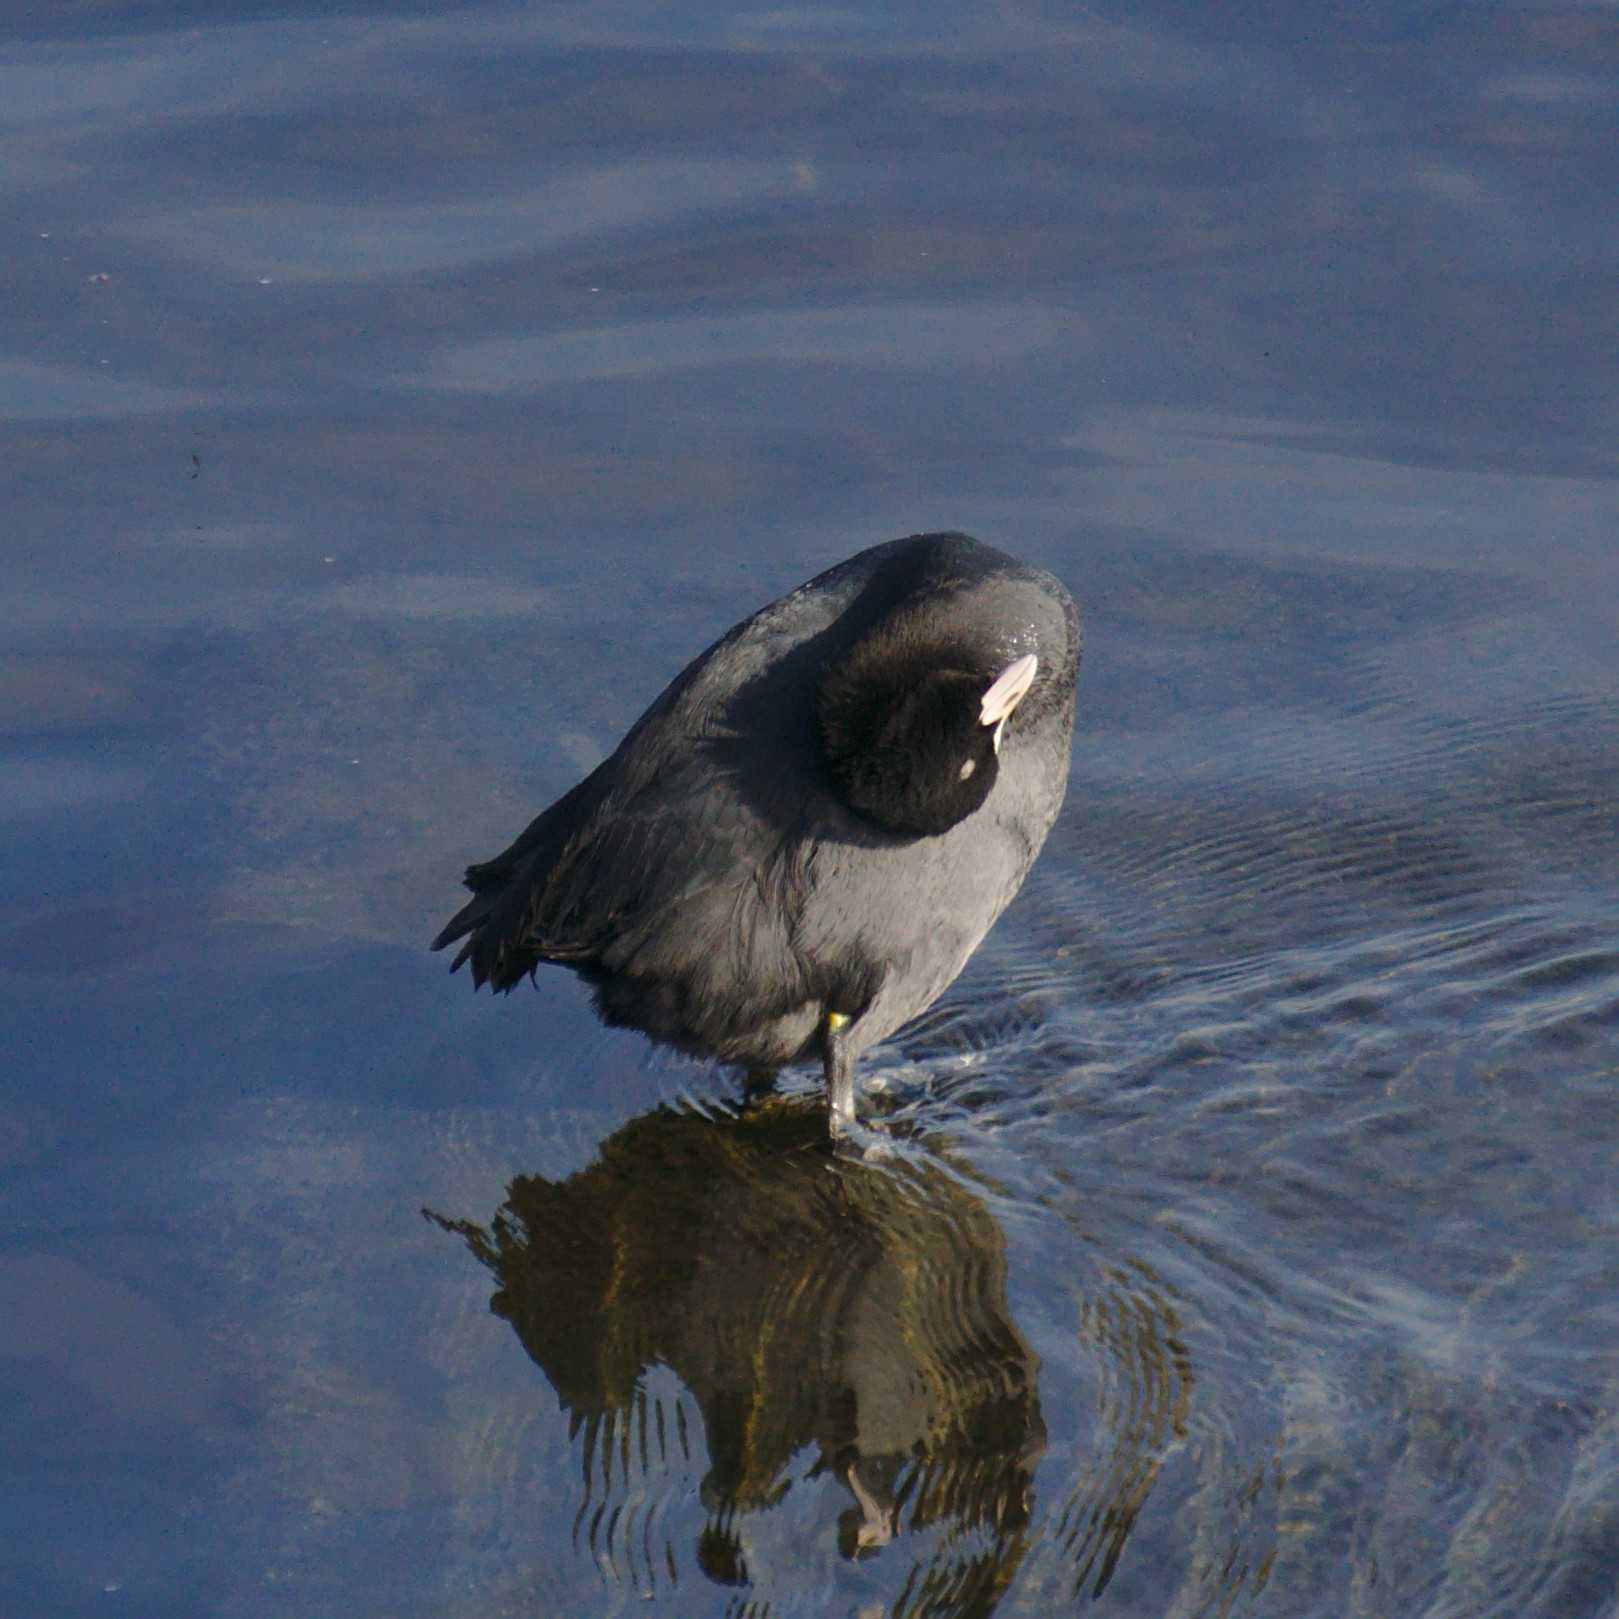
[{"x": 799, "y": 844}]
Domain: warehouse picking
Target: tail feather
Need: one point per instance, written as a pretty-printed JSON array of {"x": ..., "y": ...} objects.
[
  {"x": 485, "y": 953},
  {"x": 500, "y": 923},
  {"x": 476, "y": 909}
]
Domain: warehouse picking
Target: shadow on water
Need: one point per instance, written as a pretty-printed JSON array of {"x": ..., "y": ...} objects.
[{"x": 831, "y": 1319}]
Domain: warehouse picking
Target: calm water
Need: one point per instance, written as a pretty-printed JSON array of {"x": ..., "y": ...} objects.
[{"x": 389, "y": 404}]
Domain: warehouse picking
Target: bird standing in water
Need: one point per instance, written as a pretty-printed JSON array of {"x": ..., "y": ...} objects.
[{"x": 796, "y": 848}]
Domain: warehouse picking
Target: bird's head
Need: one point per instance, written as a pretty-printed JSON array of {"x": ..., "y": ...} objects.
[{"x": 914, "y": 742}]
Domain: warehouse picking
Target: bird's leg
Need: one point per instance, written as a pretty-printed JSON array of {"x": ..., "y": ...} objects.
[{"x": 839, "y": 1059}]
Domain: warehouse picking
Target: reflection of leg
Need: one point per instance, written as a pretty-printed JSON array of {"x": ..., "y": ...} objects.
[
  {"x": 719, "y": 1551},
  {"x": 878, "y": 1528},
  {"x": 839, "y": 1063},
  {"x": 758, "y": 1083}
]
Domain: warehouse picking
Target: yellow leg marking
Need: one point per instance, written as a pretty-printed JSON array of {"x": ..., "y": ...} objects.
[{"x": 836, "y": 1020}]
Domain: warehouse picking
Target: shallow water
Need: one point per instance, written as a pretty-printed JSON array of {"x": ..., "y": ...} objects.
[{"x": 391, "y": 403}]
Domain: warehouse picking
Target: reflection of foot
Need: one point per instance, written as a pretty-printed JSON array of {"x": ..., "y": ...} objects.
[{"x": 878, "y": 1529}]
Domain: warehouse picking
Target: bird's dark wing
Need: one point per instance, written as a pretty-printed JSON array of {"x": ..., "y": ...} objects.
[
  {"x": 663, "y": 879},
  {"x": 667, "y": 849}
]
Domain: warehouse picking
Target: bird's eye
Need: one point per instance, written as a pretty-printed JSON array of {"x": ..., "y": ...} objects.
[{"x": 968, "y": 768}]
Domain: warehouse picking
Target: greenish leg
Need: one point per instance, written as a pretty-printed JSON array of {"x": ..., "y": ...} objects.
[{"x": 839, "y": 1062}]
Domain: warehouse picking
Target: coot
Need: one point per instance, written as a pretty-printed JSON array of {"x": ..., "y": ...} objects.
[{"x": 798, "y": 845}]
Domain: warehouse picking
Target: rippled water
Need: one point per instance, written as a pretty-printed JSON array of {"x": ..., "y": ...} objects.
[{"x": 391, "y": 403}]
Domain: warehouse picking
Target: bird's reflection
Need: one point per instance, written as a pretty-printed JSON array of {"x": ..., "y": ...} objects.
[
  {"x": 827, "y": 1316},
  {"x": 811, "y": 1305}
]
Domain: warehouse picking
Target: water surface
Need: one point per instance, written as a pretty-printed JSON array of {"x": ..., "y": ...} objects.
[{"x": 391, "y": 402}]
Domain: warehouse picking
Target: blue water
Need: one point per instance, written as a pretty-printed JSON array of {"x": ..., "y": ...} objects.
[{"x": 391, "y": 402}]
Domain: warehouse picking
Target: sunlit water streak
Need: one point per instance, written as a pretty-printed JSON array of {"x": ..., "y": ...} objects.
[{"x": 1318, "y": 1147}]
